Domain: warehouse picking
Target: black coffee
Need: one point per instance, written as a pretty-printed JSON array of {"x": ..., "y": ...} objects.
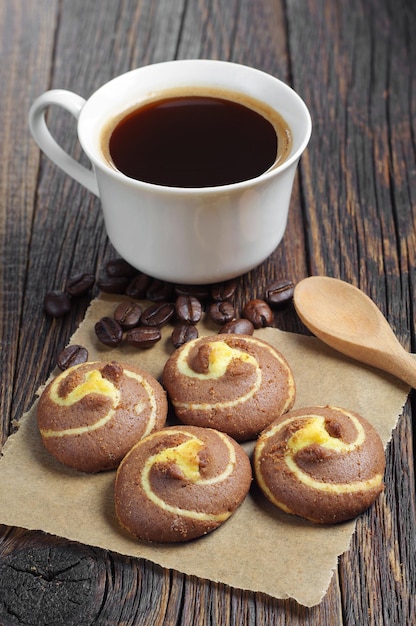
[{"x": 195, "y": 141}]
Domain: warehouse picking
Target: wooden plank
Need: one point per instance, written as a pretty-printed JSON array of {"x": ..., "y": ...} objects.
[
  {"x": 23, "y": 31},
  {"x": 359, "y": 200}
]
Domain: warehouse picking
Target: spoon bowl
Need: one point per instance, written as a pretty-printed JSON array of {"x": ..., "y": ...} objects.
[{"x": 346, "y": 319}]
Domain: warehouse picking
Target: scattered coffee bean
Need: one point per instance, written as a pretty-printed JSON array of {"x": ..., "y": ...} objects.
[
  {"x": 258, "y": 312},
  {"x": 57, "y": 303},
  {"x": 109, "y": 332},
  {"x": 143, "y": 327},
  {"x": 138, "y": 286},
  {"x": 239, "y": 326},
  {"x": 157, "y": 314},
  {"x": 72, "y": 355},
  {"x": 188, "y": 309},
  {"x": 279, "y": 293},
  {"x": 223, "y": 291},
  {"x": 160, "y": 290},
  {"x": 182, "y": 333},
  {"x": 221, "y": 312},
  {"x": 127, "y": 314},
  {"x": 120, "y": 267},
  {"x": 143, "y": 336},
  {"x": 113, "y": 284},
  {"x": 79, "y": 284}
]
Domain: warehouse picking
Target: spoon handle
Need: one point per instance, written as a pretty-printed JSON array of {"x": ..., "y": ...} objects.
[
  {"x": 393, "y": 359},
  {"x": 402, "y": 365}
]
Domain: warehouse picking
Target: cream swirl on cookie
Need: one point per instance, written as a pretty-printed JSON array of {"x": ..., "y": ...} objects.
[
  {"x": 91, "y": 414},
  {"x": 180, "y": 483},
  {"x": 94, "y": 382},
  {"x": 185, "y": 456},
  {"x": 323, "y": 463},
  {"x": 236, "y": 384}
]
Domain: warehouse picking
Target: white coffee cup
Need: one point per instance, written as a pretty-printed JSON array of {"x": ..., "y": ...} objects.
[{"x": 182, "y": 235}]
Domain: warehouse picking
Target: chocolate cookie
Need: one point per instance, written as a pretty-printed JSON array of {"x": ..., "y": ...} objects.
[
  {"x": 325, "y": 464},
  {"x": 92, "y": 414},
  {"x": 180, "y": 483},
  {"x": 234, "y": 383}
]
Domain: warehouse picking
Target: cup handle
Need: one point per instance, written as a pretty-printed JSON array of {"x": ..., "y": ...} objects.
[{"x": 72, "y": 103}]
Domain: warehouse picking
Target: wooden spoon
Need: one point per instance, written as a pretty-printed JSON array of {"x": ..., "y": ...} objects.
[{"x": 346, "y": 319}]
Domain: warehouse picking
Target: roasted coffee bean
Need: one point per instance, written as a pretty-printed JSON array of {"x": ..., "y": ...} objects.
[
  {"x": 182, "y": 333},
  {"x": 258, "y": 312},
  {"x": 113, "y": 284},
  {"x": 188, "y": 309},
  {"x": 202, "y": 292},
  {"x": 79, "y": 284},
  {"x": 221, "y": 312},
  {"x": 120, "y": 267},
  {"x": 279, "y": 292},
  {"x": 109, "y": 332},
  {"x": 72, "y": 355},
  {"x": 223, "y": 291},
  {"x": 239, "y": 326},
  {"x": 57, "y": 303},
  {"x": 127, "y": 314},
  {"x": 157, "y": 314},
  {"x": 143, "y": 336},
  {"x": 160, "y": 291},
  {"x": 138, "y": 286}
]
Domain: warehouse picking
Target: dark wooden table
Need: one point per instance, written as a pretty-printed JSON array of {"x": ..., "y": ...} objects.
[{"x": 352, "y": 216}]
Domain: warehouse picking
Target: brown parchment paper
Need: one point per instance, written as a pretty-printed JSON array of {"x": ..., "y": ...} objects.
[{"x": 260, "y": 548}]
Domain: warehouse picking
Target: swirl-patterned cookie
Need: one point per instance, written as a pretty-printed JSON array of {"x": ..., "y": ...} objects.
[
  {"x": 237, "y": 384},
  {"x": 180, "y": 483},
  {"x": 325, "y": 464},
  {"x": 92, "y": 414}
]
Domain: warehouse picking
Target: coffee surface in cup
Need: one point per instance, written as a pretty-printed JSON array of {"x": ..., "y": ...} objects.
[{"x": 197, "y": 140}]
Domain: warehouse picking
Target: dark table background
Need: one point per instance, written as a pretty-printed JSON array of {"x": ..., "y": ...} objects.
[{"x": 352, "y": 217}]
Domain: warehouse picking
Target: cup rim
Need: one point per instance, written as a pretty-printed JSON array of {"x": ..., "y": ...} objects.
[{"x": 273, "y": 171}]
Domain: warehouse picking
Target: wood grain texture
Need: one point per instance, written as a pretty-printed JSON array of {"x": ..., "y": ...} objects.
[
  {"x": 352, "y": 216},
  {"x": 23, "y": 30}
]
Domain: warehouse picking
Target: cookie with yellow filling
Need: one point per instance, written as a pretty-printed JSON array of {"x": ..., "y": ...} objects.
[
  {"x": 325, "y": 464},
  {"x": 180, "y": 483},
  {"x": 237, "y": 384},
  {"x": 92, "y": 414}
]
